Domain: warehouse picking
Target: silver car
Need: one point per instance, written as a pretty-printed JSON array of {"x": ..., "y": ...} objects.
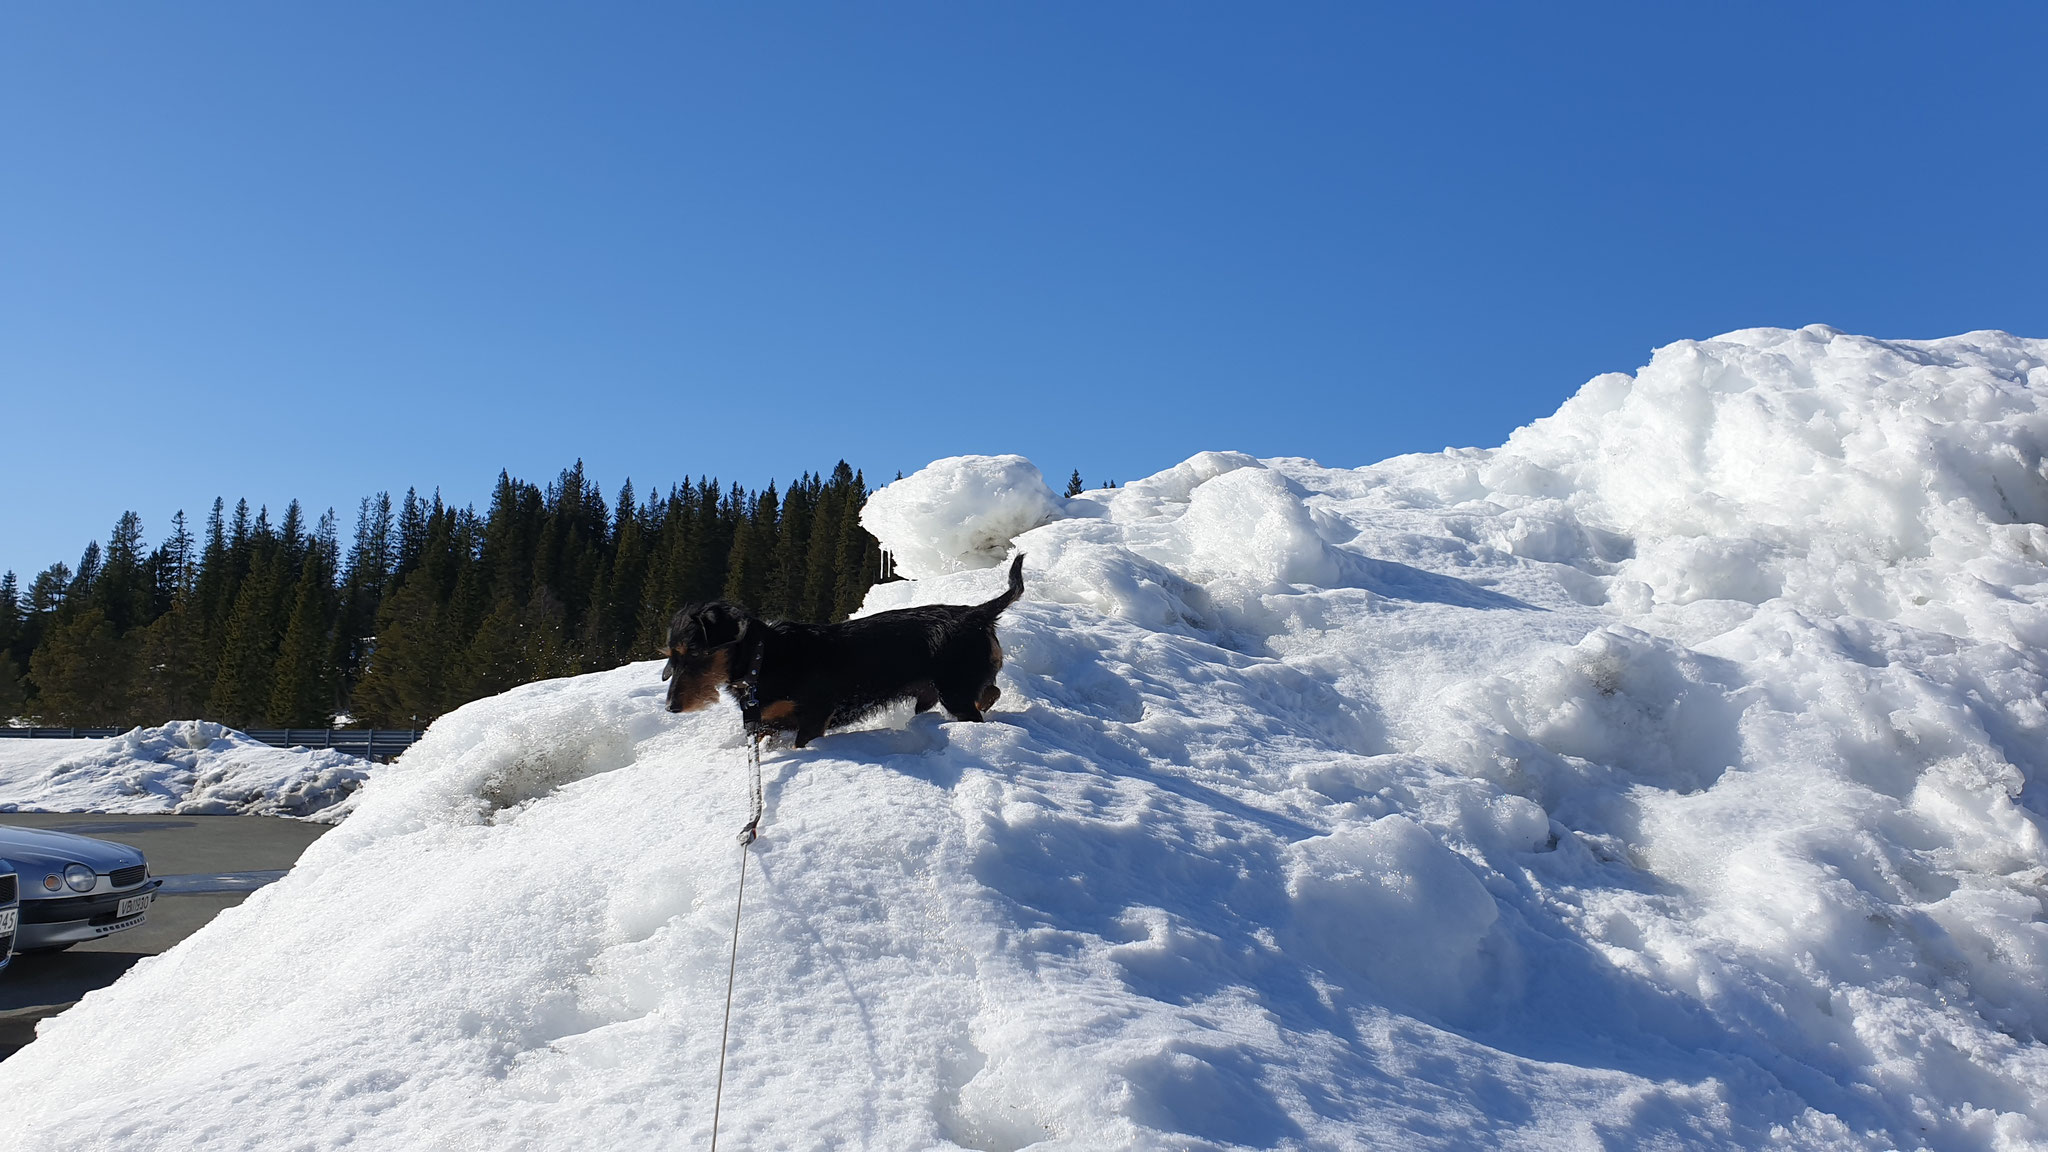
[
  {"x": 10, "y": 912},
  {"x": 74, "y": 888}
]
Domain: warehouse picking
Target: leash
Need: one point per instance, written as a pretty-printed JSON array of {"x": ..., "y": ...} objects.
[{"x": 748, "y": 835}]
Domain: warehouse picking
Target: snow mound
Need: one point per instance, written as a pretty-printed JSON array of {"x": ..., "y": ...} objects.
[
  {"x": 191, "y": 767},
  {"x": 959, "y": 513},
  {"x": 1674, "y": 775}
]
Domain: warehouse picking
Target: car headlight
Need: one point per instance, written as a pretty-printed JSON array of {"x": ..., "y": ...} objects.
[{"x": 80, "y": 877}]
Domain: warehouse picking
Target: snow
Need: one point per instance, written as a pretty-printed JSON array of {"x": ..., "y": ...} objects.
[
  {"x": 959, "y": 513},
  {"x": 190, "y": 767},
  {"x": 1672, "y": 775}
]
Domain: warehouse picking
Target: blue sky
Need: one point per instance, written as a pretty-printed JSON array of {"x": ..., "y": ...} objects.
[{"x": 294, "y": 250}]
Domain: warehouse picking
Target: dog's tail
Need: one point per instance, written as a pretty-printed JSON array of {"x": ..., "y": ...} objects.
[{"x": 1015, "y": 590}]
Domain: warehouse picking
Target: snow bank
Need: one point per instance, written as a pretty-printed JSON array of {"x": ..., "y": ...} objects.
[
  {"x": 194, "y": 767},
  {"x": 1672, "y": 775},
  {"x": 958, "y": 513}
]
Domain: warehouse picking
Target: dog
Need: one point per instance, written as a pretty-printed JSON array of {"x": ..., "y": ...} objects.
[{"x": 805, "y": 678}]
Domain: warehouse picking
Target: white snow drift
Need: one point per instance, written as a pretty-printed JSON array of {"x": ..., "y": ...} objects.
[
  {"x": 193, "y": 767},
  {"x": 1672, "y": 775}
]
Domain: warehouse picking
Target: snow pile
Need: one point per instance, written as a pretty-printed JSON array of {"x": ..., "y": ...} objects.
[
  {"x": 1592, "y": 790},
  {"x": 959, "y": 513},
  {"x": 191, "y": 767}
]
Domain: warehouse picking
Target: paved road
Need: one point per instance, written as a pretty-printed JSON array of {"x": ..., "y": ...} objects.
[{"x": 208, "y": 863}]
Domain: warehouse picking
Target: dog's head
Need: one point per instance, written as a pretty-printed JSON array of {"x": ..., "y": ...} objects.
[{"x": 701, "y": 640}]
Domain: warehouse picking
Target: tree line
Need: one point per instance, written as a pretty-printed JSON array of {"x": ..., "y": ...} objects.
[{"x": 257, "y": 622}]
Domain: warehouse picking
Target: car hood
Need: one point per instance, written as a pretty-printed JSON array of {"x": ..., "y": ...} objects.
[{"x": 30, "y": 848}]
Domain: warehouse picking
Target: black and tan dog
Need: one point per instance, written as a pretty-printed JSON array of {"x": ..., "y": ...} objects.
[{"x": 805, "y": 678}]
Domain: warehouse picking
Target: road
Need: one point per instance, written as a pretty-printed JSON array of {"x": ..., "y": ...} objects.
[{"x": 207, "y": 863}]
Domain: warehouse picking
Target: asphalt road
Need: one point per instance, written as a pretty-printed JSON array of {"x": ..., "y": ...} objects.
[{"x": 207, "y": 863}]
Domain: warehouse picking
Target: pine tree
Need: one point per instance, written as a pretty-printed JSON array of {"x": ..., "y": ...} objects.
[
  {"x": 262, "y": 622},
  {"x": 412, "y": 532},
  {"x": 669, "y": 573},
  {"x": 241, "y": 687},
  {"x": 859, "y": 554},
  {"x": 120, "y": 590},
  {"x": 371, "y": 557},
  {"x": 821, "y": 565},
  {"x": 10, "y": 612},
  {"x": 792, "y": 550},
  {"x": 753, "y": 546},
  {"x": 82, "y": 672},
  {"x": 169, "y": 571},
  {"x": 517, "y": 644},
  {"x": 619, "y": 609},
  {"x": 403, "y": 685},
  {"x": 302, "y": 689},
  {"x": 407, "y": 680},
  {"x": 88, "y": 577},
  {"x": 171, "y": 685},
  {"x": 13, "y": 697},
  {"x": 1074, "y": 485}
]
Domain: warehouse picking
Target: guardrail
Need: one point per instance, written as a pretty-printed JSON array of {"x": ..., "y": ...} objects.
[{"x": 370, "y": 743}]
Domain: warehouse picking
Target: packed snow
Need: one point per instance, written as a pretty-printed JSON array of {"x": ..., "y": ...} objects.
[
  {"x": 1672, "y": 775},
  {"x": 190, "y": 767}
]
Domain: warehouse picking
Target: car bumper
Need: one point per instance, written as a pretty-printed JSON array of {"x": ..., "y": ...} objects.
[{"x": 74, "y": 919}]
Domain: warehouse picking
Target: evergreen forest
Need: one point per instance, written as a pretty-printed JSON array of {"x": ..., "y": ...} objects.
[{"x": 272, "y": 623}]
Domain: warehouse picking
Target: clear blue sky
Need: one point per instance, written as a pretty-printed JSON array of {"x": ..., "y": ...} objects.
[{"x": 276, "y": 250}]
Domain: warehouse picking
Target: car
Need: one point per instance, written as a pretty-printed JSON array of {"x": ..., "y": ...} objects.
[
  {"x": 10, "y": 913},
  {"x": 74, "y": 888}
]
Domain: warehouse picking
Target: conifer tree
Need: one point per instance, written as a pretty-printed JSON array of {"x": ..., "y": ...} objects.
[
  {"x": 213, "y": 595},
  {"x": 710, "y": 542},
  {"x": 1074, "y": 485},
  {"x": 412, "y": 531},
  {"x": 87, "y": 579},
  {"x": 10, "y": 612},
  {"x": 45, "y": 600},
  {"x": 821, "y": 566},
  {"x": 859, "y": 554},
  {"x": 13, "y": 697},
  {"x": 302, "y": 690},
  {"x": 82, "y": 672},
  {"x": 619, "y": 610},
  {"x": 241, "y": 687},
  {"x": 753, "y": 544},
  {"x": 669, "y": 575},
  {"x": 517, "y": 644},
  {"x": 407, "y": 678},
  {"x": 170, "y": 568},
  {"x": 792, "y": 551},
  {"x": 371, "y": 558},
  {"x": 260, "y": 622},
  {"x": 120, "y": 591},
  {"x": 171, "y": 685}
]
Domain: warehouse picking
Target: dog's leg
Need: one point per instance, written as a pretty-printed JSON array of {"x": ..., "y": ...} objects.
[
  {"x": 810, "y": 724},
  {"x": 927, "y": 696}
]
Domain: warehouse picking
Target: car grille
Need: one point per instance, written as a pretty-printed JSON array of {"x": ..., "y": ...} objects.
[
  {"x": 123, "y": 877},
  {"x": 7, "y": 890}
]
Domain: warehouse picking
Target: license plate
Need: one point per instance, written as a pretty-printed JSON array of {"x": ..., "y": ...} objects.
[
  {"x": 131, "y": 906},
  {"x": 7, "y": 922}
]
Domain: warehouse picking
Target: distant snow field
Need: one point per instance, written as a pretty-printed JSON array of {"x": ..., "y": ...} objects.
[
  {"x": 1673, "y": 775},
  {"x": 191, "y": 767}
]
